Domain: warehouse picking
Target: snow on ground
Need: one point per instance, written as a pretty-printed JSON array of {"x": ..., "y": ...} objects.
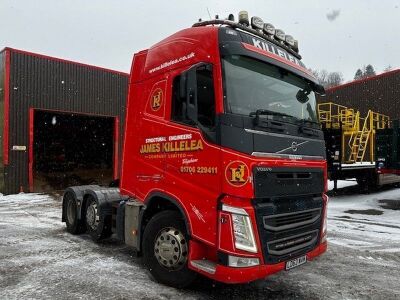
[
  {"x": 342, "y": 183},
  {"x": 40, "y": 260},
  {"x": 365, "y": 220}
]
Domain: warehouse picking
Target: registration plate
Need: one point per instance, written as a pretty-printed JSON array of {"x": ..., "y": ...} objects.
[{"x": 296, "y": 262}]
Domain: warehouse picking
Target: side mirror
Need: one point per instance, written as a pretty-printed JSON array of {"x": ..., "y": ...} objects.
[{"x": 302, "y": 96}]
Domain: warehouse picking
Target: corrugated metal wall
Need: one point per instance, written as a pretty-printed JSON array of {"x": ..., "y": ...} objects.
[
  {"x": 2, "y": 79},
  {"x": 380, "y": 93},
  {"x": 43, "y": 83}
]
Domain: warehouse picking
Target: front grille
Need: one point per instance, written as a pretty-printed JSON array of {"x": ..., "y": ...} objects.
[
  {"x": 288, "y": 226},
  {"x": 293, "y": 243},
  {"x": 291, "y": 220}
]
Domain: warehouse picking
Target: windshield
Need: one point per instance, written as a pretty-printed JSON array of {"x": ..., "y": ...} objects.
[{"x": 251, "y": 86}]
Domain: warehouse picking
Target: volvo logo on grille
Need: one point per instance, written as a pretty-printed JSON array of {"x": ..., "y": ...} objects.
[{"x": 294, "y": 146}]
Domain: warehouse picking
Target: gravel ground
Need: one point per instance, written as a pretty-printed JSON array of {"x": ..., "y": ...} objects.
[{"x": 40, "y": 260}]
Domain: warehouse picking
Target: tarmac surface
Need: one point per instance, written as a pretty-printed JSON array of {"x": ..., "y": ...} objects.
[{"x": 40, "y": 260}]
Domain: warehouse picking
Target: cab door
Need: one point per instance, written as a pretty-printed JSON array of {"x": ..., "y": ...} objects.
[{"x": 193, "y": 159}]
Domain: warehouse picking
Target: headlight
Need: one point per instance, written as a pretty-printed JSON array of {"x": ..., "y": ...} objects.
[
  {"x": 242, "y": 229},
  {"x": 325, "y": 223}
]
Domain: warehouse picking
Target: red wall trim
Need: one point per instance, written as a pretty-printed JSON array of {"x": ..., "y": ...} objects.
[
  {"x": 60, "y": 111},
  {"x": 116, "y": 148},
  {"x": 389, "y": 73},
  {"x": 30, "y": 159},
  {"x": 6, "y": 109},
  {"x": 7, "y": 49}
]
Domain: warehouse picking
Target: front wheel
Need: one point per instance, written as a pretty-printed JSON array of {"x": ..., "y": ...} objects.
[{"x": 166, "y": 250}]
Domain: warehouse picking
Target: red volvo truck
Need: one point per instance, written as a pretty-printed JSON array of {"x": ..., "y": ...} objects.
[{"x": 223, "y": 169}]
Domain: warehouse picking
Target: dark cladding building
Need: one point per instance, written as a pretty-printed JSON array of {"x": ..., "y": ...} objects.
[
  {"x": 380, "y": 93},
  {"x": 61, "y": 122}
]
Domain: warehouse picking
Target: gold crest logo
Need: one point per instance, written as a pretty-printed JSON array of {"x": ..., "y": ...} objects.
[
  {"x": 156, "y": 99},
  {"x": 237, "y": 173}
]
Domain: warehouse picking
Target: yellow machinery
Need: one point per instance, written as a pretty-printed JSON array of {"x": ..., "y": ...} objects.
[{"x": 357, "y": 133}]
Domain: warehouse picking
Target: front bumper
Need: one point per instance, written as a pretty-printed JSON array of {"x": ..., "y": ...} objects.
[{"x": 232, "y": 275}]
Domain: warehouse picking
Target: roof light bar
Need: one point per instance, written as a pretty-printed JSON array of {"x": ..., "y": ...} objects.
[
  {"x": 244, "y": 18},
  {"x": 269, "y": 29},
  {"x": 257, "y": 23},
  {"x": 280, "y": 34},
  {"x": 296, "y": 46},
  {"x": 257, "y": 27},
  {"x": 289, "y": 40}
]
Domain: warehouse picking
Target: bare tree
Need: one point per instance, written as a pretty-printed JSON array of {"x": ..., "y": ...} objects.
[
  {"x": 328, "y": 79},
  {"x": 334, "y": 79},
  {"x": 388, "y": 68}
]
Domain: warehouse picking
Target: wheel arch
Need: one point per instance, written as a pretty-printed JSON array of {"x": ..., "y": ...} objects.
[{"x": 159, "y": 201}]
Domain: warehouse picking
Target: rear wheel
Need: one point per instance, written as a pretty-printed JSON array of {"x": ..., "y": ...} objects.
[
  {"x": 74, "y": 225},
  {"x": 166, "y": 250},
  {"x": 98, "y": 224}
]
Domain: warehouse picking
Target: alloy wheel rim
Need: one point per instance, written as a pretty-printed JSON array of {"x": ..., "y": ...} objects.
[{"x": 170, "y": 248}]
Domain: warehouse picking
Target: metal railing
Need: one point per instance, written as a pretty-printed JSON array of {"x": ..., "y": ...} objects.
[{"x": 357, "y": 142}]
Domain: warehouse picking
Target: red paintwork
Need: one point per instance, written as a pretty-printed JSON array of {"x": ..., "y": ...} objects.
[
  {"x": 197, "y": 194},
  {"x": 116, "y": 148},
  {"x": 31, "y": 136},
  {"x": 243, "y": 275},
  {"x": 277, "y": 57},
  {"x": 6, "y": 108},
  {"x": 389, "y": 171}
]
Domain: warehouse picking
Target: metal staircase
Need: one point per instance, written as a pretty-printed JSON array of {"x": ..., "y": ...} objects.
[{"x": 358, "y": 143}]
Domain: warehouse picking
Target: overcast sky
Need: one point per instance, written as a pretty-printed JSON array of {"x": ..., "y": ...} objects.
[{"x": 340, "y": 35}]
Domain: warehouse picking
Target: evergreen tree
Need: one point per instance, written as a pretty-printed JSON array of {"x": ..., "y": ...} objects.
[
  {"x": 369, "y": 71},
  {"x": 358, "y": 75}
]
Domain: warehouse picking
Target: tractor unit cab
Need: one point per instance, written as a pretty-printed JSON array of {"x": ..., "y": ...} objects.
[{"x": 224, "y": 159}]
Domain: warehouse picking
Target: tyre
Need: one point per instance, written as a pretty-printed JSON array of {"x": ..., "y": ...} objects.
[
  {"x": 166, "y": 250},
  {"x": 98, "y": 224},
  {"x": 74, "y": 225}
]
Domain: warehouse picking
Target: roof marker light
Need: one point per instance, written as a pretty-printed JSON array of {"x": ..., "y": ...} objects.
[
  {"x": 244, "y": 18},
  {"x": 289, "y": 40},
  {"x": 257, "y": 23},
  {"x": 280, "y": 34},
  {"x": 296, "y": 46},
  {"x": 269, "y": 29},
  {"x": 231, "y": 17}
]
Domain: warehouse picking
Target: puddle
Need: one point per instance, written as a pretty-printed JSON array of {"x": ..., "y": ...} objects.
[
  {"x": 370, "y": 212},
  {"x": 390, "y": 204}
]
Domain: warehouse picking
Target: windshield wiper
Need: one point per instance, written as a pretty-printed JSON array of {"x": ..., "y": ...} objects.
[
  {"x": 303, "y": 122},
  {"x": 267, "y": 112}
]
